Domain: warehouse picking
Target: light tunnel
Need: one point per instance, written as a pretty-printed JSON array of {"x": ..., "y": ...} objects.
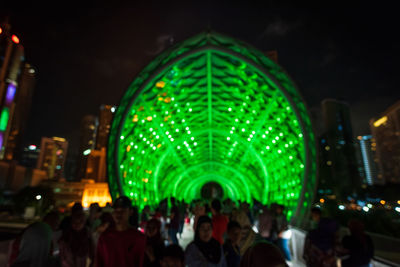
[{"x": 213, "y": 109}]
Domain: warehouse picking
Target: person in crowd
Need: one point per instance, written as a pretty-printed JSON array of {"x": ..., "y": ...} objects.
[
  {"x": 76, "y": 244},
  {"x": 199, "y": 210},
  {"x": 228, "y": 206},
  {"x": 122, "y": 245},
  {"x": 106, "y": 221},
  {"x": 204, "y": 251},
  {"x": 263, "y": 254},
  {"x": 219, "y": 221},
  {"x": 134, "y": 217},
  {"x": 231, "y": 246},
  {"x": 66, "y": 221},
  {"x": 245, "y": 207},
  {"x": 145, "y": 216},
  {"x": 93, "y": 220},
  {"x": 173, "y": 226},
  {"x": 163, "y": 229},
  {"x": 248, "y": 236},
  {"x": 157, "y": 214},
  {"x": 35, "y": 246},
  {"x": 359, "y": 246},
  {"x": 154, "y": 243},
  {"x": 173, "y": 256},
  {"x": 283, "y": 231},
  {"x": 183, "y": 214},
  {"x": 265, "y": 223},
  {"x": 320, "y": 244},
  {"x": 241, "y": 217},
  {"x": 316, "y": 214}
]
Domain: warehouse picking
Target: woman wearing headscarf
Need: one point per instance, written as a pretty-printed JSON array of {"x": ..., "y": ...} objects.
[
  {"x": 154, "y": 243},
  {"x": 204, "y": 251}
]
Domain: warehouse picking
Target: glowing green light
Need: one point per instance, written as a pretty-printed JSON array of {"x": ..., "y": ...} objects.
[
  {"x": 4, "y": 119},
  {"x": 210, "y": 89}
]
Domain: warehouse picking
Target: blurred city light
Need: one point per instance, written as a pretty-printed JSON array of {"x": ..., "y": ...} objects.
[
  {"x": 32, "y": 147},
  {"x": 15, "y": 39},
  {"x": 87, "y": 152}
]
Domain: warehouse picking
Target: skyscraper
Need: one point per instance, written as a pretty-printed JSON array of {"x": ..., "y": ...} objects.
[
  {"x": 105, "y": 118},
  {"x": 93, "y": 158},
  {"x": 53, "y": 152},
  {"x": 339, "y": 163},
  {"x": 386, "y": 133},
  {"x": 369, "y": 165},
  {"x": 87, "y": 142},
  {"x": 23, "y": 100},
  {"x": 11, "y": 59}
]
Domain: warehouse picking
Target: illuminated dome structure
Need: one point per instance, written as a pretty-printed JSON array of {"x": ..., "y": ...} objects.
[{"x": 213, "y": 109}]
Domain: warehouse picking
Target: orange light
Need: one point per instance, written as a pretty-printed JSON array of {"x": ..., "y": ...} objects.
[
  {"x": 322, "y": 200},
  {"x": 96, "y": 193},
  {"x": 383, "y": 202},
  {"x": 15, "y": 39},
  {"x": 380, "y": 121},
  {"x": 160, "y": 84},
  {"x": 1, "y": 30}
]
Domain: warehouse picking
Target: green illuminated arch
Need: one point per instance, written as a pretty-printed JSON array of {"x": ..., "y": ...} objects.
[{"x": 213, "y": 109}]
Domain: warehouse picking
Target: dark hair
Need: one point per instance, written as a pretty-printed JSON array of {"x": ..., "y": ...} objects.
[
  {"x": 122, "y": 202},
  {"x": 216, "y": 205},
  {"x": 316, "y": 210},
  {"x": 261, "y": 253},
  {"x": 51, "y": 216},
  {"x": 174, "y": 251},
  {"x": 233, "y": 224},
  {"x": 77, "y": 207}
]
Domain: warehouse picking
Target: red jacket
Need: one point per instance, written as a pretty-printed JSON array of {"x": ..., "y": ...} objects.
[
  {"x": 219, "y": 224},
  {"x": 121, "y": 248}
]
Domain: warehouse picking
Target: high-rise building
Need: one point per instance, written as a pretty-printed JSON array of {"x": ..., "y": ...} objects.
[
  {"x": 17, "y": 79},
  {"x": 23, "y": 99},
  {"x": 12, "y": 61},
  {"x": 92, "y": 158},
  {"x": 96, "y": 166},
  {"x": 53, "y": 152},
  {"x": 338, "y": 166},
  {"x": 369, "y": 165},
  {"x": 105, "y": 118},
  {"x": 87, "y": 142},
  {"x": 30, "y": 156},
  {"x": 386, "y": 133}
]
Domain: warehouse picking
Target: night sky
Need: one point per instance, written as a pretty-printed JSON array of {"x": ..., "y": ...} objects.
[{"x": 88, "y": 57}]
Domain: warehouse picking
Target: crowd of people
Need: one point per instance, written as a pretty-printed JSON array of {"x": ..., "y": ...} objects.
[{"x": 225, "y": 234}]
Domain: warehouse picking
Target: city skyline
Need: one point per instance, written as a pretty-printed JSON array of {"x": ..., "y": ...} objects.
[{"x": 87, "y": 58}]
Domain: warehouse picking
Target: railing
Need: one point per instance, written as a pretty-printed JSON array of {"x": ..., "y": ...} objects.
[{"x": 387, "y": 249}]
